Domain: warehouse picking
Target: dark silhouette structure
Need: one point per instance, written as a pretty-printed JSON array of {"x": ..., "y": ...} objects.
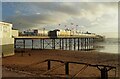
[{"x": 53, "y": 34}]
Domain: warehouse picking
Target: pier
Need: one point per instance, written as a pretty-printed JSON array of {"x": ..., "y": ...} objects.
[{"x": 60, "y": 42}]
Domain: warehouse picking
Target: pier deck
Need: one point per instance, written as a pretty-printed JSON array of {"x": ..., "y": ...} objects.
[{"x": 38, "y": 37}]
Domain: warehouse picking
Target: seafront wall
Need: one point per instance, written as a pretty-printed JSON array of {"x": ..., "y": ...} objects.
[
  {"x": 0, "y": 47},
  {"x": 7, "y": 46}
]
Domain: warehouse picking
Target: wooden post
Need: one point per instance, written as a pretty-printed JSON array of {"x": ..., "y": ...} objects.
[
  {"x": 104, "y": 74},
  {"x": 67, "y": 68},
  {"x": 49, "y": 64}
]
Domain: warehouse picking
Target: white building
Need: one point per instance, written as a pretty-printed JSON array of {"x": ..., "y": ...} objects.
[
  {"x": 63, "y": 33},
  {"x": 41, "y": 32},
  {"x": 15, "y": 33},
  {"x": 6, "y": 40}
]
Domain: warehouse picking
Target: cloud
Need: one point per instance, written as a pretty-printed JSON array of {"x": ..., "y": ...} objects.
[
  {"x": 0, "y": 11},
  {"x": 60, "y": 0},
  {"x": 33, "y": 20},
  {"x": 93, "y": 16}
]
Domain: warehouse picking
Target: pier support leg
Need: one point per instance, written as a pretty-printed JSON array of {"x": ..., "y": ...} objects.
[
  {"x": 70, "y": 44},
  {"x": 23, "y": 48},
  {"x": 53, "y": 43},
  {"x": 78, "y": 44},
  {"x": 88, "y": 43},
  {"x": 82, "y": 42},
  {"x": 85, "y": 42},
  {"x": 32, "y": 43},
  {"x": 14, "y": 43},
  {"x": 60, "y": 43},
  {"x": 93, "y": 40},
  {"x": 66, "y": 43},
  {"x": 43, "y": 43},
  {"x": 40, "y": 43},
  {"x": 91, "y": 43},
  {"x": 24, "y": 43},
  {"x": 74, "y": 44}
]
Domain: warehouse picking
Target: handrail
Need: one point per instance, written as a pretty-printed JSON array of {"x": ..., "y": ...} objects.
[{"x": 93, "y": 65}]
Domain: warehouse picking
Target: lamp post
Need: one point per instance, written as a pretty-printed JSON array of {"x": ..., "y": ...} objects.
[
  {"x": 43, "y": 31},
  {"x": 70, "y": 32},
  {"x": 71, "y": 28},
  {"x": 65, "y": 30},
  {"x": 76, "y": 28}
]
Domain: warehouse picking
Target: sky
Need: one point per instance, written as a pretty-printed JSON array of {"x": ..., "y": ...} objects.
[{"x": 96, "y": 17}]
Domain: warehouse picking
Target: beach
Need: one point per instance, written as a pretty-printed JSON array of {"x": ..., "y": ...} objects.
[
  {"x": 29, "y": 64},
  {"x": 59, "y": 40}
]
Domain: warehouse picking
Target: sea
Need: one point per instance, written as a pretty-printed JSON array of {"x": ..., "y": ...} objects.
[{"x": 109, "y": 45}]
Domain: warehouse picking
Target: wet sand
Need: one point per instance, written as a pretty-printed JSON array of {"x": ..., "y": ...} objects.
[{"x": 31, "y": 65}]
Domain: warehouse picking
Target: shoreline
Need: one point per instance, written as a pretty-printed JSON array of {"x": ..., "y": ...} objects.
[
  {"x": 92, "y": 57},
  {"x": 89, "y": 50}
]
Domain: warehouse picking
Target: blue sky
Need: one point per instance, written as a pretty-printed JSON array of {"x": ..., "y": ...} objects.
[
  {"x": 100, "y": 17},
  {"x": 0, "y": 11}
]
